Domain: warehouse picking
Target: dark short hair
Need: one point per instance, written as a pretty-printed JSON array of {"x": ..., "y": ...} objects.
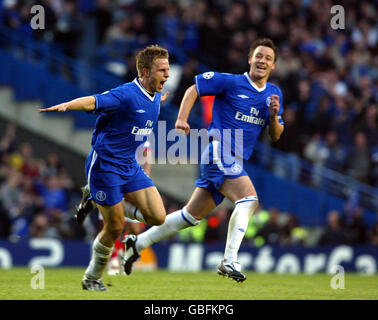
[
  {"x": 146, "y": 57},
  {"x": 265, "y": 42}
]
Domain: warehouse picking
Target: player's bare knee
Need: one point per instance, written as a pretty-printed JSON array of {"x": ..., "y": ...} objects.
[
  {"x": 155, "y": 220},
  {"x": 114, "y": 230},
  {"x": 249, "y": 203},
  {"x": 196, "y": 213},
  {"x": 160, "y": 219},
  {"x": 154, "y": 217}
]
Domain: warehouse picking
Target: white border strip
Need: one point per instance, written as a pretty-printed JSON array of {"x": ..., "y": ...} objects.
[
  {"x": 216, "y": 158},
  {"x": 94, "y": 158},
  {"x": 253, "y": 84},
  {"x": 144, "y": 90}
]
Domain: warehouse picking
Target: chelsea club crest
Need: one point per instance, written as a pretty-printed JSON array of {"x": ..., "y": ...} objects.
[
  {"x": 268, "y": 101},
  {"x": 100, "y": 195}
]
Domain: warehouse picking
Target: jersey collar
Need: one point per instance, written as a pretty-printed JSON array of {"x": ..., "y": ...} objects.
[
  {"x": 253, "y": 84},
  {"x": 136, "y": 81}
]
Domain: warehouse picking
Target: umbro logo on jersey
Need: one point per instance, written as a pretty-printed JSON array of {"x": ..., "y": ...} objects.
[
  {"x": 243, "y": 96},
  {"x": 141, "y": 111}
]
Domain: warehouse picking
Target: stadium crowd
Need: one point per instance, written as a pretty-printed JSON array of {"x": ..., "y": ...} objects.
[
  {"x": 329, "y": 77},
  {"x": 329, "y": 80}
]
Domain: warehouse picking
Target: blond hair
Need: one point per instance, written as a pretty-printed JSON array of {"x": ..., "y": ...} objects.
[{"x": 146, "y": 57}]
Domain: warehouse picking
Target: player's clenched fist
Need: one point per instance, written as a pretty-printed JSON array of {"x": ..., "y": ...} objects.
[
  {"x": 57, "y": 108},
  {"x": 274, "y": 105},
  {"x": 182, "y": 125}
]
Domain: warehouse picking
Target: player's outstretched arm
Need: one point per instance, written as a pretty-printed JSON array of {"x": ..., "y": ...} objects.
[
  {"x": 80, "y": 104},
  {"x": 275, "y": 128},
  {"x": 186, "y": 106}
]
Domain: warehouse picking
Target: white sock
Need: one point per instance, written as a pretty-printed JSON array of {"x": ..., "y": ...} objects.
[
  {"x": 238, "y": 225},
  {"x": 133, "y": 213},
  {"x": 174, "y": 222},
  {"x": 99, "y": 260}
]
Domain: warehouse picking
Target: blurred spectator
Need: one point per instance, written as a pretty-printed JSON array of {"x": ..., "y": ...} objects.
[
  {"x": 68, "y": 27},
  {"x": 38, "y": 226},
  {"x": 34, "y": 193},
  {"x": 271, "y": 231},
  {"x": 258, "y": 219},
  {"x": 356, "y": 232},
  {"x": 358, "y": 159},
  {"x": 288, "y": 165},
  {"x": 190, "y": 38},
  {"x": 334, "y": 153},
  {"x": 314, "y": 151},
  {"x": 131, "y": 70},
  {"x": 30, "y": 166},
  {"x": 103, "y": 16},
  {"x": 288, "y": 141},
  {"x": 320, "y": 120},
  {"x": 54, "y": 196},
  {"x": 292, "y": 233},
  {"x": 5, "y": 222},
  {"x": 302, "y": 94},
  {"x": 190, "y": 69},
  {"x": 374, "y": 235},
  {"x": 212, "y": 40},
  {"x": 52, "y": 167},
  {"x": 11, "y": 195},
  {"x": 217, "y": 225},
  {"x": 369, "y": 125},
  {"x": 7, "y": 144},
  {"x": 333, "y": 234}
]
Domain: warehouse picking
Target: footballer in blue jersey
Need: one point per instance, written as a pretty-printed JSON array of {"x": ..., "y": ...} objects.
[
  {"x": 243, "y": 106},
  {"x": 126, "y": 114},
  {"x": 240, "y": 114}
]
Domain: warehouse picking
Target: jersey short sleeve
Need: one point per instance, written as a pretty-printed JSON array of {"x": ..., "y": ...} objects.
[
  {"x": 110, "y": 101},
  {"x": 212, "y": 83}
]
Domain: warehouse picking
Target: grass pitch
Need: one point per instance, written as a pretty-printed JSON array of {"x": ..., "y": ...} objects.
[{"x": 65, "y": 284}]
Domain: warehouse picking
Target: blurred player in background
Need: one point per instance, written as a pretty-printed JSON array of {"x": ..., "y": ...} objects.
[
  {"x": 111, "y": 168},
  {"x": 246, "y": 102}
]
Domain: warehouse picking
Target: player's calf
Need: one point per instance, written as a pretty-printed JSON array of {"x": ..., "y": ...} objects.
[
  {"x": 174, "y": 222},
  {"x": 153, "y": 217},
  {"x": 112, "y": 231}
]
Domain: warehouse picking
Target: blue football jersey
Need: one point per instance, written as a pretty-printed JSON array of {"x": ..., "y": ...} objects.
[
  {"x": 125, "y": 113},
  {"x": 239, "y": 106}
]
